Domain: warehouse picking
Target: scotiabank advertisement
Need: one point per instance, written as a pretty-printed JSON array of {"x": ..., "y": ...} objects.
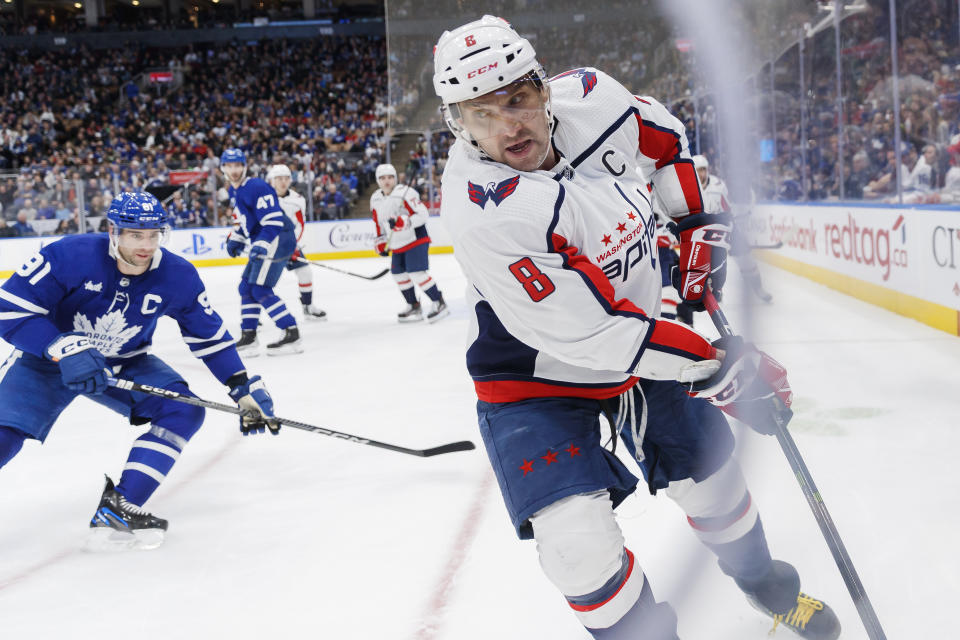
[{"x": 913, "y": 251}]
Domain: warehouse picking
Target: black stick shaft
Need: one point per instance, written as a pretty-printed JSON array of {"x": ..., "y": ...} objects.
[
  {"x": 130, "y": 385},
  {"x": 829, "y": 530}
]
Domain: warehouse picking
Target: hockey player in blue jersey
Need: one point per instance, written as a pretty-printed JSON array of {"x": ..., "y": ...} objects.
[
  {"x": 259, "y": 221},
  {"x": 86, "y": 307}
]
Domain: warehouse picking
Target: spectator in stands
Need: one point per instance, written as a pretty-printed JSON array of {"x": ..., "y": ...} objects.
[
  {"x": 67, "y": 225},
  {"x": 859, "y": 176},
  {"x": 46, "y": 211},
  {"x": 22, "y": 226},
  {"x": 6, "y": 231},
  {"x": 28, "y": 210},
  {"x": 333, "y": 205},
  {"x": 62, "y": 210}
]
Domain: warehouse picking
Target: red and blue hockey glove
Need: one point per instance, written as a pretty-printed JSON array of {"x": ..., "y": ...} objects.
[
  {"x": 252, "y": 396},
  {"x": 235, "y": 247},
  {"x": 748, "y": 385},
  {"x": 382, "y": 246},
  {"x": 81, "y": 364},
  {"x": 704, "y": 241}
]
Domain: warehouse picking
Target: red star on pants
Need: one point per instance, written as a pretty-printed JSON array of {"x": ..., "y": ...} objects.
[
  {"x": 631, "y": 216},
  {"x": 551, "y": 457},
  {"x": 606, "y": 240},
  {"x": 527, "y": 466},
  {"x": 621, "y": 227},
  {"x": 574, "y": 450}
]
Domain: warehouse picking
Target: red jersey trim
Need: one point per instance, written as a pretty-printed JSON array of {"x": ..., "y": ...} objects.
[
  {"x": 514, "y": 390},
  {"x": 415, "y": 243},
  {"x": 582, "y": 264}
]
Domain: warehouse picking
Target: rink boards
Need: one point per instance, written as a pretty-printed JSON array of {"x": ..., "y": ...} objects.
[
  {"x": 899, "y": 258},
  {"x": 903, "y": 259},
  {"x": 207, "y": 247}
]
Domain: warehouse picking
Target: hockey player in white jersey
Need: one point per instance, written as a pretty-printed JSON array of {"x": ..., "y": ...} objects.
[
  {"x": 401, "y": 223},
  {"x": 552, "y": 227},
  {"x": 716, "y": 199},
  {"x": 295, "y": 206}
]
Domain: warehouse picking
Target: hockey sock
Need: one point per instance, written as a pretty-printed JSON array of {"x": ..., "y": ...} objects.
[
  {"x": 249, "y": 313},
  {"x": 646, "y": 619},
  {"x": 154, "y": 453},
  {"x": 306, "y": 286},
  {"x": 11, "y": 441},
  {"x": 433, "y": 293},
  {"x": 742, "y": 554},
  {"x": 278, "y": 312},
  {"x": 409, "y": 295}
]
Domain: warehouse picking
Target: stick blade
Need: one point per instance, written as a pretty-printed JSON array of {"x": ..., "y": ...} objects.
[
  {"x": 463, "y": 445},
  {"x": 379, "y": 275}
]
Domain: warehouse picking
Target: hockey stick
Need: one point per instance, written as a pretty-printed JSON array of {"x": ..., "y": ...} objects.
[
  {"x": 782, "y": 416},
  {"x": 130, "y": 385},
  {"x": 379, "y": 274}
]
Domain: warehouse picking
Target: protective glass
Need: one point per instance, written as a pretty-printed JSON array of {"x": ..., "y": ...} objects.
[{"x": 505, "y": 111}]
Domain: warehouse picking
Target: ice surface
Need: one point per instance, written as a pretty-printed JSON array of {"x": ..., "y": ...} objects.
[{"x": 305, "y": 536}]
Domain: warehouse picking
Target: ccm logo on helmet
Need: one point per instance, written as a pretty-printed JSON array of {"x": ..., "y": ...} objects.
[{"x": 477, "y": 72}]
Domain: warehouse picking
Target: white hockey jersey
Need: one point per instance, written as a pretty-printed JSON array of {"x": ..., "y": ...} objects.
[
  {"x": 715, "y": 196},
  {"x": 562, "y": 271},
  {"x": 295, "y": 206},
  {"x": 403, "y": 204}
]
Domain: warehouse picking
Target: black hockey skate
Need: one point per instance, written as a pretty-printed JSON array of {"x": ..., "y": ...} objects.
[
  {"x": 310, "y": 312},
  {"x": 248, "y": 345},
  {"x": 119, "y": 524},
  {"x": 439, "y": 310},
  {"x": 413, "y": 313},
  {"x": 288, "y": 343},
  {"x": 778, "y": 596}
]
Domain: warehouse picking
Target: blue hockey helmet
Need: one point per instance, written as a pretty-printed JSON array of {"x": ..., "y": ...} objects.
[
  {"x": 233, "y": 154},
  {"x": 139, "y": 210}
]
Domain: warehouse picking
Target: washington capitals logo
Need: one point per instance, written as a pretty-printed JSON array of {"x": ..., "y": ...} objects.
[
  {"x": 497, "y": 192},
  {"x": 587, "y": 78}
]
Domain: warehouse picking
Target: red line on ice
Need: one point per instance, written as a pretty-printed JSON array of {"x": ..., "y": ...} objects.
[{"x": 432, "y": 618}]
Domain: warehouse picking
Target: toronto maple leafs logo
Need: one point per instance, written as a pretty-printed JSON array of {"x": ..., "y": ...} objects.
[
  {"x": 494, "y": 191},
  {"x": 109, "y": 333},
  {"x": 587, "y": 78}
]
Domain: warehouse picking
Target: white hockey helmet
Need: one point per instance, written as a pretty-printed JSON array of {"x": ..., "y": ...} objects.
[
  {"x": 277, "y": 171},
  {"x": 700, "y": 162},
  {"x": 386, "y": 170},
  {"x": 477, "y": 58}
]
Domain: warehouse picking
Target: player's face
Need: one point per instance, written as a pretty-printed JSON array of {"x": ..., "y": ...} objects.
[
  {"x": 387, "y": 183},
  {"x": 281, "y": 184},
  {"x": 703, "y": 172},
  {"x": 510, "y": 125},
  {"x": 233, "y": 171},
  {"x": 137, "y": 246}
]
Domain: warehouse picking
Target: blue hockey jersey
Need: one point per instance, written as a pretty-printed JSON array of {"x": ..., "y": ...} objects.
[
  {"x": 74, "y": 285},
  {"x": 257, "y": 213}
]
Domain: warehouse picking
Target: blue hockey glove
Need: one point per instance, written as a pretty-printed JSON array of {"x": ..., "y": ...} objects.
[
  {"x": 258, "y": 251},
  {"x": 252, "y": 396},
  {"x": 235, "y": 247},
  {"x": 81, "y": 364}
]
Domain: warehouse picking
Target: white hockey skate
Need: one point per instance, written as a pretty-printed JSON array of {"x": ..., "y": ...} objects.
[
  {"x": 413, "y": 313},
  {"x": 289, "y": 343},
  {"x": 310, "y": 312},
  {"x": 439, "y": 311}
]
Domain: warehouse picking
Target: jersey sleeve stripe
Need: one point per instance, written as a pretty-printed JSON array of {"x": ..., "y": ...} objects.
[
  {"x": 216, "y": 336},
  {"x": 659, "y": 143},
  {"x": 270, "y": 216},
  {"x": 13, "y": 315},
  {"x": 20, "y": 302},
  {"x": 271, "y": 223},
  {"x": 200, "y": 353},
  {"x": 677, "y": 338}
]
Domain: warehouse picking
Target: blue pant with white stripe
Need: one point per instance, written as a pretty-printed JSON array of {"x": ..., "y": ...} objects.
[
  {"x": 32, "y": 397},
  {"x": 256, "y": 285}
]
